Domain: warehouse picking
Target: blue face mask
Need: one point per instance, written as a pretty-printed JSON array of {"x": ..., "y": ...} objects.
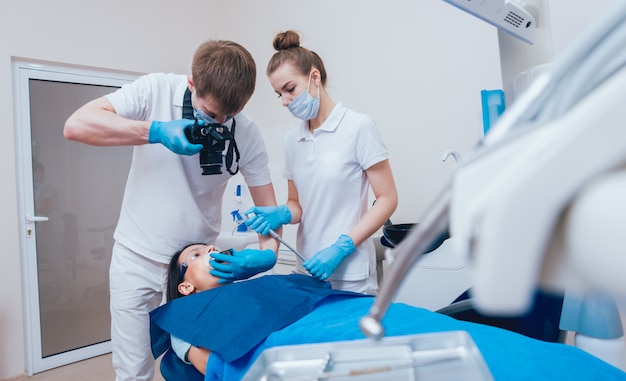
[
  {"x": 201, "y": 115},
  {"x": 304, "y": 106}
]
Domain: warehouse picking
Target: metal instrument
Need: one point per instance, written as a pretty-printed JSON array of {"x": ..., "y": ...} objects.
[
  {"x": 279, "y": 238},
  {"x": 275, "y": 235}
]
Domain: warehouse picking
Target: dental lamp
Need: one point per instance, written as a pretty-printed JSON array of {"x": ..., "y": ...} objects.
[
  {"x": 525, "y": 207},
  {"x": 503, "y": 14},
  {"x": 524, "y": 35}
]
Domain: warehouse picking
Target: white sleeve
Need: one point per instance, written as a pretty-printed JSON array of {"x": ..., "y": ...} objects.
[
  {"x": 370, "y": 146},
  {"x": 180, "y": 348},
  {"x": 254, "y": 159}
]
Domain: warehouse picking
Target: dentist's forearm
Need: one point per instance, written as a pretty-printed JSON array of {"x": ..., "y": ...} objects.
[{"x": 96, "y": 123}]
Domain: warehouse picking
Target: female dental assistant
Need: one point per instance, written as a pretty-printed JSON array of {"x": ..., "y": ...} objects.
[{"x": 331, "y": 159}]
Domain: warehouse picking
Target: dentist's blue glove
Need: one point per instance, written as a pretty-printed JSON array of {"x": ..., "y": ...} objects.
[
  {"x": 241, "y": 264},
  {"x": 267, "y": 217},
  {"x": 326, "y": 261},
  {"x": 172, "y": 135}
]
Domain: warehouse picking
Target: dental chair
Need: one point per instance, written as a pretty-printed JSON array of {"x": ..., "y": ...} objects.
[
  {"x": 541, "y": 322},
  {"x": 448, "y": 283}
]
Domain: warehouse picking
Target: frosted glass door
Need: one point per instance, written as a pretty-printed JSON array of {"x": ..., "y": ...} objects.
[{"x": 76, "y": 196}]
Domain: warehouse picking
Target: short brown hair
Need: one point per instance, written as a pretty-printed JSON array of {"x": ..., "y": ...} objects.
[{"x": 226, "y": 72}]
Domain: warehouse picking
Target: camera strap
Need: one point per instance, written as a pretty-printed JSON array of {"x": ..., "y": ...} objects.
[
  {"x": 187, "y": 106},
  {"x": 232, "y": 146}
]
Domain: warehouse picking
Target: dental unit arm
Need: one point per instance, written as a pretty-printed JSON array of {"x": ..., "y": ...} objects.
[
  {"x": 512, "y": 207},
  {"x": 563, "y": 134}
]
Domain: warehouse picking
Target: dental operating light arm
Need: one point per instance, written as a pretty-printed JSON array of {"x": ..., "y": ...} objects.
[
  {"x": 504, "y": 14},
  {"x": 510, "y": 220}
]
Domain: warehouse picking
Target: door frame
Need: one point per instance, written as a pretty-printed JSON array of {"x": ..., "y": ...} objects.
[{"x": 23, "y": 71}]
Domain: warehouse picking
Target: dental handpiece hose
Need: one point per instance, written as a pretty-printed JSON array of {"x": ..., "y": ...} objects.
[{"x": 275, "y": 235}]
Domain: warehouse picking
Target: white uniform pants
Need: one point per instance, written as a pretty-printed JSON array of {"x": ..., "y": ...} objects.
[
  {"x": 137, "y": 287},
  {"x": 368, "y": 286}
]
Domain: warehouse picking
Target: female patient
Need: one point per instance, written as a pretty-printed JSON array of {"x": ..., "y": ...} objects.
[
  {"x": 241, "y": 320},
  {"x": 188, "y": 273},
  {"x": 258, "y": 312}
]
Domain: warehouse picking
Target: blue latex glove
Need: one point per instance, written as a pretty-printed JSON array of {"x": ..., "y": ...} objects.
[
  {"x": 172, "y": 135},
  {"x": 326, "y": 261},
  {"x": 241, "y": 264},
  {"x": 267, "y": 217}
]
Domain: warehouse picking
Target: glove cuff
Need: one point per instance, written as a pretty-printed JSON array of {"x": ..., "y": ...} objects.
[
  {"x": 345, "y": 243},
  {"x": 285, "y": 214},
  {"x": 268, "y": 261},
  {"x": 153, "y": 133}
]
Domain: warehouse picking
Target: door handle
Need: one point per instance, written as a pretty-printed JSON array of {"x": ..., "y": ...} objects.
[{"x": 31, "y": 218}]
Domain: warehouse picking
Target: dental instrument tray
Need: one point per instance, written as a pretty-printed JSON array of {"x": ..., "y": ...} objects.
[{"x": 440, "y": 356}]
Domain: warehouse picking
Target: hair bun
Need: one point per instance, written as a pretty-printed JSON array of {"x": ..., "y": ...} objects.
[{"x": 286, "y": 40}]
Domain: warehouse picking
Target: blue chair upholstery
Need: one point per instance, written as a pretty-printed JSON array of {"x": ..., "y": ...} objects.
[{"x": 173, "y": 369}]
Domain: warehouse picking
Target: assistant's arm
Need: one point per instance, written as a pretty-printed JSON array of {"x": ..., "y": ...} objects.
[
  {"x": 96, "y": 123},
  {"x": 264, "y": 196},
  {"x": 266, "y": 218},
  {"x": 293, "y": 202},
  {"x": 384, "y": 188},
  {"x": 326, "y": 261},
  {"x": 249, "y": 262}
]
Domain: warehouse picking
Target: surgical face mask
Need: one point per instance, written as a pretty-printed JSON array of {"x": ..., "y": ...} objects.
[
  {"x": 201, "y": 115},
  {"x": 304, "y": 106}
]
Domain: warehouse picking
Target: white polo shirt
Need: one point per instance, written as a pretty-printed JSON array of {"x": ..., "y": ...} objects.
[
  {"x": 328, "y": 169},
  {"x": 168, "y": 203}
]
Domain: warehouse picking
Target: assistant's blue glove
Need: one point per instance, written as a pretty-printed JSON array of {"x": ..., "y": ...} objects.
[
  {"x": 267, "y": 217},
  {"x": 172, "y": 135},
  {"x": 241, "y": 264},
  {"x": 326, "y": 261}
]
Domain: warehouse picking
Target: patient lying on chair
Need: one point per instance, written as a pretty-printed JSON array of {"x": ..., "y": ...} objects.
[
  {"x": 231, "y": 325},
  {"x": 188, "y": 274}
]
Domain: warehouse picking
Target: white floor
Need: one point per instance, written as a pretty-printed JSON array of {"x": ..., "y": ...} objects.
[{"x": 95, "y": 369}]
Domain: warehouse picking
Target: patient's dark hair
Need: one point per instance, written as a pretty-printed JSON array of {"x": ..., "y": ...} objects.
[{"x": 173, "y": 275}]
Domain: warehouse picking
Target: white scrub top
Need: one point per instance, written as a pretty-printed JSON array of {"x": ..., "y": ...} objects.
[
  {"x": 168, "y": 203},
  {"x": 328, "y": 169}
]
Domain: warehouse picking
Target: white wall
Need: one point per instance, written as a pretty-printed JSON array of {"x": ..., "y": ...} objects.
[
  {"x": 416, "y": 66},
  {"x": 412, "y": 65}
]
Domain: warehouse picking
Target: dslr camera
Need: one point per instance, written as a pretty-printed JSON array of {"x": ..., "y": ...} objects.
[{"x": 213, "y": 136}]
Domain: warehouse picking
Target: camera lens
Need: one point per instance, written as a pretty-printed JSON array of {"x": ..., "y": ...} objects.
[
  {"x": 212, "y": 169},
  {"x": 211, "y": 162}
]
